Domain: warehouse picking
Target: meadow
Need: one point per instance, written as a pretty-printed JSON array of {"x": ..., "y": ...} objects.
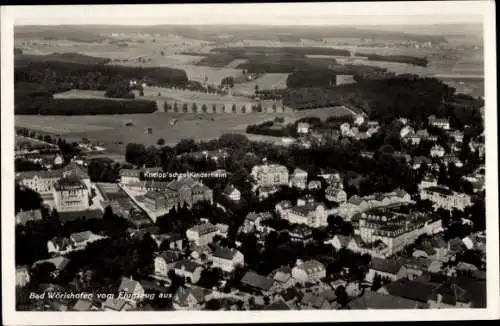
[
  {"x": 266, "y": 81},
  {"x": 111, "y": 130}
]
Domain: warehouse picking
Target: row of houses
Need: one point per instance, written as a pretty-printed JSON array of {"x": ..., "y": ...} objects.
[{"x": 356, "y": 204}]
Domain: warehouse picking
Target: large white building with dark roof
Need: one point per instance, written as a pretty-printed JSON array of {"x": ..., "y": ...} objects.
[
  {"x": 70, "y": 194},
  {"x": 445, "y": 198},
  {"x": 227, "y": 259},
  {"x": 270, "y": 175}
]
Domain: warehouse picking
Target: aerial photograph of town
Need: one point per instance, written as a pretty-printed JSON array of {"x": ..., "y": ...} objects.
[{"x": 169, "y": 167}]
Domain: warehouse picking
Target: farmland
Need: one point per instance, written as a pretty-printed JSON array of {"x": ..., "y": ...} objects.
[
  {"x": 266, "y": 81},
  {"x": 111, "y": 130}
]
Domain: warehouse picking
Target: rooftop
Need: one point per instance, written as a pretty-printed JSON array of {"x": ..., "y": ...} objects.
[
  {"x": 257, "y": 281},
  {"x": 225, "y": 253}
]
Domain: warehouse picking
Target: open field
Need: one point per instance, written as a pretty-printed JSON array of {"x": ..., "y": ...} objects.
[
  {"x": 78, "y": 93},
  {"x": 266, "y": 81},
  {"x": 111, "y": 130}
]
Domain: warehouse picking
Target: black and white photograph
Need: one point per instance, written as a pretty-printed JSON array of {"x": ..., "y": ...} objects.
[{"x": 257, "y": 162}]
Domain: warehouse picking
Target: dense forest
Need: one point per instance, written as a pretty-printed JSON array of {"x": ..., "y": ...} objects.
[
  {"x": 35, "y": 81},
  {"x": 387, "y": 99},
  {"x": 303, "y": 51},
  {"x": 326, "y": 78},
  {"x": 48, "y": 106},
  {"x": 68, "y": 57},
  {"x": 94, "y": 76}
]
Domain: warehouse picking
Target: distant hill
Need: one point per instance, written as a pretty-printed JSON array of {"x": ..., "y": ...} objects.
[
  {"x": 91, "y": 33},
  {"x": 74, "y": 33},
  {"x": 20, "y": 59}
]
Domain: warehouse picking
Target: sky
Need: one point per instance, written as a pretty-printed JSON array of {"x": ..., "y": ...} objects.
[{"x": 394, "y": 13}]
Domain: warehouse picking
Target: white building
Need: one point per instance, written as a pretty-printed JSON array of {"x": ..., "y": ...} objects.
[
  {"x": 437, "y": 151},
  {"x": 270, "y": 175},
  {"x": 202, "y": 234},
  {"x": 227, "y": 259},
  {"x": 308, "y": 271},
  {"x": 188, "y": 269},
  {"x": 311, "y": 214},
  {"x": 165, "y": 262},
  {"x": 303, "y": 128},
  {"x": 445, "y": 198},
  {"x": 439, "y": 123},
  {"x": 299, "y": 179},
  {"x": 406, "y": 131},
  {"x": 232, "y": 193}
]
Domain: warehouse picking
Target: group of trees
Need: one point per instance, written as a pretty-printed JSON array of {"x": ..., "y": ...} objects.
[
  {"x": 103, "y": 171},
  {"x": 50, "y": 106},
  {"x": 36, "y": 80},
  {"x": 32, "y": 238},
  {"x": 391, "y": 98},
  {"x": 94, "y": 76}
]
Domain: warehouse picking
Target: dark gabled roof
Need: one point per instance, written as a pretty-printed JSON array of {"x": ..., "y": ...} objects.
[
  {"x": 87, "y": 215},
  {"x": 386, "y": 266},
  {"x": 139, "y": 234},
  {"x": 52, "y": 174},
  {"x": 183, "y": 293},
  {"x": 75, "y": 170},
  {"x": 170, "y": 256},
  {"x": 59, "y": 262},
  {"x": 440, "y": 190},
  {"x": 413, "y": 290},
  {"x": 229, "y": 189},
  {"x": 70, "y": 182},
  {"x": 476, "y": 289},
  {"x": 375, "y": 300},
  {"x": 128, "y": 285},
  {"x": 257, "y": 281},
  {"x": 225, "y": 253},
  {"x": 329, "y": 295},
  {"x": 82, "y": 305},
  {"x": 187, "y": 265},
  {"x": 205, "y": 228},
  {"x": 116, "y": 304},
  {"x": 278, "y": 305},
  {"x": 452, "y": 294}
]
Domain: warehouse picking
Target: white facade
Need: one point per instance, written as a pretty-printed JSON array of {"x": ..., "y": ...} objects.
[
  {"x": 445, "y": 198},
  {"x": 270, "y": 175},
  {"x": 312, "y": 214},
  {"x": 309, "y": 271},
  {"x": 226, "y": 264}
]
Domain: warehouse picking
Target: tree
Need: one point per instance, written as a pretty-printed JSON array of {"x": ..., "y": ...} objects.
[
  {"x": 234, "y": 108},
  {"x": 160, "y": 142},
  {"x": 342, "y": 297},
  {"x": 377, "y": 282}
]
